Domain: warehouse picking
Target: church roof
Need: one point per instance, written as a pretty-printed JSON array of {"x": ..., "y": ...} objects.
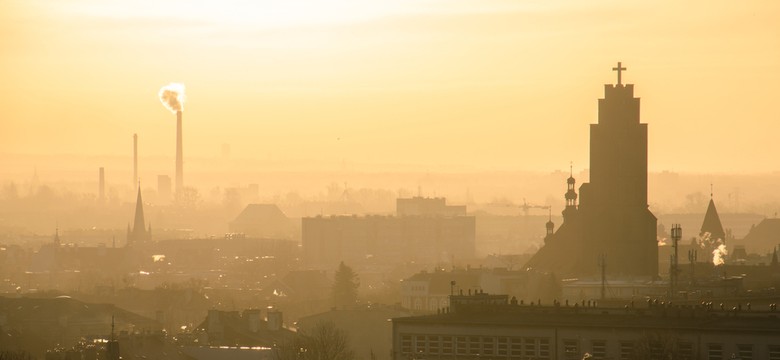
[{"x": 712, "y": 223}]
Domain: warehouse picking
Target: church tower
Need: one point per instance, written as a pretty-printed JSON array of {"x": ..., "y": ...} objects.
[
  {"x": 138, "y": 234},
  {"x": 617, "y": 221},
  {"x": 612, "y": 221}
]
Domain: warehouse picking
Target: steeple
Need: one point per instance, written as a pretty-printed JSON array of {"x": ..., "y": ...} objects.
[
  {"x": 138, "y": 222},
  {"x": 139, "y": 233},
  {"x": 712, "y": 223}
]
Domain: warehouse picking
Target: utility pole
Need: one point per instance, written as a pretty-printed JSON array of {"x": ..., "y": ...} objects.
[
  {"x": 675, "y": 271},
  {"x": 692, "y": 255},
  {"x": 603, "y": 266}
]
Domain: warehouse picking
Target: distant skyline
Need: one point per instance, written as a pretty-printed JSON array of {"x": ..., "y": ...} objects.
[{"x": 493, "y": 85}]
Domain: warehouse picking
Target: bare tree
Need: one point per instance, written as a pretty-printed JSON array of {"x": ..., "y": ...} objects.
[{"x": 322, "y": 342}]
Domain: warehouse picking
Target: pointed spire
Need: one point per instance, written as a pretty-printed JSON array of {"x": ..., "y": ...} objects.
[
  {"x": 712, "y": 223},
  {"x": 138, "y": 233}
]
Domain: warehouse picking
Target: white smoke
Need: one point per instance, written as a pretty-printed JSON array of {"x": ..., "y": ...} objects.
[
  {"x": 719, "y": 255},
  {"x": 172, "y": 97}
]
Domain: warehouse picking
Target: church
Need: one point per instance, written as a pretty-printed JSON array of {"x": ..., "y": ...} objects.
[{"x": 611, "y": 231}]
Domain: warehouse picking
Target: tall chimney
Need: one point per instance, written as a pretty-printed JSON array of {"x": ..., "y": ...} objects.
[
  {"x": 179, "y": 156},
  {"x": 135, "y": 159},
  {"x": 102, "y": 186}
]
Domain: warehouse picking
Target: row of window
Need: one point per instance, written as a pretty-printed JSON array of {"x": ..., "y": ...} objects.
[
  {"x": 506, "y": 347},
  {"x": 487, "y": 346}
]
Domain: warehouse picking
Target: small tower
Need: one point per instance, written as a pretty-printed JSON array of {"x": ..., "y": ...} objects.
[
  {"x": 571, "y": 196},
  {"x": 550, "y": 227},
  {"x": 57, "y": 236}
]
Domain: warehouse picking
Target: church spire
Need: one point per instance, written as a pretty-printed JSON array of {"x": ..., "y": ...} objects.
[{"x": 139, "y": 233}]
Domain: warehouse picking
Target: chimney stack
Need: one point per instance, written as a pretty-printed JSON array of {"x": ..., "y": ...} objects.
[
  {"x": 179, "y": 156},
  {"x": 135, "y": 159},
  {"x": 102, "y": 186}
]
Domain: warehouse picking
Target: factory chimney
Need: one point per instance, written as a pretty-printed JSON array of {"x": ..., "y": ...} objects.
[
  {"x": 135, "y": 159},
  {"x": 102, "y": 186},
  {"x": 179, "y": 156}
]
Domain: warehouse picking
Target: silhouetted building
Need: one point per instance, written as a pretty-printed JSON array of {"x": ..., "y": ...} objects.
[
  {"x": 483, "y": 326},
  {"x": 245, "y": 329},
  {"x": 712, "y": 225},
  {"x": 612, "y": 221},
  {"x": 763, "y": 237},
  {"x": 263, "y": 220},
  {"x": 139, "y": 234},
  {"x": 422, "y": 206},
  {"x": 436, "y": 237}
]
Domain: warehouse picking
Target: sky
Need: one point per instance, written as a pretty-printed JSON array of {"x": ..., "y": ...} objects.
[{"x": 489, "y": 84}]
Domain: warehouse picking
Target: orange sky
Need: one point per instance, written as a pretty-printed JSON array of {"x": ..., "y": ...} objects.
[{"x": 448, "y": 84}]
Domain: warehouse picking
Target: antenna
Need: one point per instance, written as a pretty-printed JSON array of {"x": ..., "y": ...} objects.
[{"x": 603, "y": 266}]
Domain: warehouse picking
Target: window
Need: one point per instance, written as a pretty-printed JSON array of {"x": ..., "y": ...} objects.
[
  {"x": 745, "y": 351},
  {"x": 488, "y": 346},
  {"x": 598, "y": 349},
  {"x": 474, "y": 345},
  {"x": 419, "y": 344},
  {"x": 571, "y": 350},
  {"x": 774, "y": 352},
  {"x": 544, "y": 348},
  {"x": 529, "y": 347},
  {"x": 685, "y": 350},
  {"x": 503, "y": 346},
  {"x": 406, "y": 344},
  {"x": 446, "y": 345},
  {"x": 715, "y": 352},
  {"x": 516, "y": 347},
  {"x": 626, "y": 350},
  {"x": 433, "y": 344},
  {"x": 462, "y": 346}
]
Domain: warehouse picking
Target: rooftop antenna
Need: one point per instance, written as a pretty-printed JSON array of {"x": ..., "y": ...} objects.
[
  {"x": 676, "y": 236},
  {"x": 603, "y": 266},
  {"x": 112, "y": 327}
]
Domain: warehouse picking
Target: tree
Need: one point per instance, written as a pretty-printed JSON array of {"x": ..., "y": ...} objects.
[
  {"x": 322, "y": 342},
  {"x": 345, "y": 286}
]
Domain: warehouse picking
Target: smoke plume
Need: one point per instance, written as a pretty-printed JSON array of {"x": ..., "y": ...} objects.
[
  {"x": 172, "y": 97},
  {"x": 719, "y": 255}
]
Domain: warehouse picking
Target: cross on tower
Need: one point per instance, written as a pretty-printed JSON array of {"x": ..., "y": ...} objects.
[{"x": 619, "y": 69}]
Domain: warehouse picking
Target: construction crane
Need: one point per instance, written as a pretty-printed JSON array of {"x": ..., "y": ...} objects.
[{"x": 526, "y": 206}]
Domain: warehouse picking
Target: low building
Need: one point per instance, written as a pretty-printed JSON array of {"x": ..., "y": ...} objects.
[{"x": 483, "y": 326}]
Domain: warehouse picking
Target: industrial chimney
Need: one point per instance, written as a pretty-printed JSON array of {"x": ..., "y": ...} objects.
[
  {"x": 179, "y": 156},
  {"x": 135, "y": 159},
  {"x": 102, "y": 186}
]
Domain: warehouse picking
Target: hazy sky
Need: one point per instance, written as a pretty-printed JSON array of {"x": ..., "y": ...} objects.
[{"x": 470, "y": 84}]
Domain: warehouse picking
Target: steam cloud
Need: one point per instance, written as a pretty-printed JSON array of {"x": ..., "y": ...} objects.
[
  {"x": 172, "y": 97},
  {"x": 719, "y": 255}
]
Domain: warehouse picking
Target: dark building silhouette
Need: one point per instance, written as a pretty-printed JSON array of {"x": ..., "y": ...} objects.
[
  {"x": 426, "y": 237},
  {"x": 712, "y": 224},
  {"x": 139, "y": 234},
  {"x": 612, "y": 220},
  {"x": 263, "y": 220},
  {"x": 764, "y": 236}
]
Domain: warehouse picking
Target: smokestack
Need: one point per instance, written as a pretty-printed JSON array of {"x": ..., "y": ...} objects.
[
  {"x": 135, "y": 159},
  {"x": 102, "y": 186},
  {"x": 179, "y": 155},
  {"x": 172, "y": 97}
]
